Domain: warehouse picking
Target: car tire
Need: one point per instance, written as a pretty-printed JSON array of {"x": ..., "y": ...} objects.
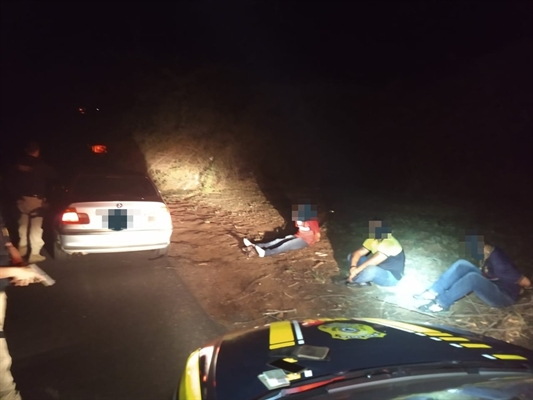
[
  {"x": 159, "y": 253},
  {"x": 59, "y": 253}
]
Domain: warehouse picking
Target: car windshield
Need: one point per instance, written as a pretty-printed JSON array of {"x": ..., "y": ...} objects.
[
  {"x": 434, "y": 384},
  {"x": 109, "y": 185}
]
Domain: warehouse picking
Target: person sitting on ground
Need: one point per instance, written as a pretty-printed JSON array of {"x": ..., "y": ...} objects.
[
  {"x": 308, "y": 232},
  {"x": 497, "y": 283},
  {"x": 385, "y": 265}
]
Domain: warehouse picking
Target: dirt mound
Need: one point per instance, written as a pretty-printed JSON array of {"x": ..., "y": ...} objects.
[{"x": 242, "y": 292}]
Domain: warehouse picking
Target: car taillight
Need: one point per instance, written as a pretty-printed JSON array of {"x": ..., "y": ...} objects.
[
  {"x": 158, "y": 213},
  {"x": 71, "y": 216},
  {"x": 99, "y": 149}
]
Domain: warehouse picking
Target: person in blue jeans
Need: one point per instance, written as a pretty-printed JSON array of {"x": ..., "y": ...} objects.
[
  {"x": 380, "y": 260},
  {"x": 307, "y": 233},
  {"x": 497, "y": 283}
]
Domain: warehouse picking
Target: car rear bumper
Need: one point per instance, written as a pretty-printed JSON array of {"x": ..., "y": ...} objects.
[{"x": 114, "y": 242}]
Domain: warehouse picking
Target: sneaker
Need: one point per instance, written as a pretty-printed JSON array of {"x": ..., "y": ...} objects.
[
  {"x": 426, "y": 295},
  {"x": 35, "y": 258},
  {"x": 357, "y": 284},
  {"x": 246, "y": 242},
  {"x": 260, "y": 251},
  {"x": 432, "y": 307}
]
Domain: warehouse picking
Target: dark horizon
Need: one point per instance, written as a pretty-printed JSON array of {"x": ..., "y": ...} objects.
[
  {"x": 73, "y": 50},
  {"x": 426, "y": 81}
]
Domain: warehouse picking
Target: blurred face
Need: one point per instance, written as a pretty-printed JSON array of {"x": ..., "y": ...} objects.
[
  {"x": 473, "y": 246},
  {"x": 372, "y": 226},
  {"x": 304, "y": 212}
]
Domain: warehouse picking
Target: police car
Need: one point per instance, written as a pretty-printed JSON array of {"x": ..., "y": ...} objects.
[{"x": 356, "y": 358}]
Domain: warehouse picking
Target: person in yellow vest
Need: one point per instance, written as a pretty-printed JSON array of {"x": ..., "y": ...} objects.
[{"x": 380, "y": 259}]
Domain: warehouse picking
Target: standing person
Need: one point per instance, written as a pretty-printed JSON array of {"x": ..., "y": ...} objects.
[
  {"x": 385, "y": 265},
  {"x": 30, "y": 180},
  {"x": 10, "y": 271},
  {"x": 308, "y": 233},
  {"x": 497, "y": 283}
]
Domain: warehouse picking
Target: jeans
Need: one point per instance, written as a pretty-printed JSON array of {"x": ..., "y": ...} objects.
[
  {"x": 35, "y": 223},
  {"x": 8, "y": 390},
  {"x": 462, "y": 278},
  {"x": 373, "y": 273},
  {"x": 282, "y": 245}
]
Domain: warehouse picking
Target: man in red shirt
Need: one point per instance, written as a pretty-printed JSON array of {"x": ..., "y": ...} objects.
[{"x": 308, "y": 233}]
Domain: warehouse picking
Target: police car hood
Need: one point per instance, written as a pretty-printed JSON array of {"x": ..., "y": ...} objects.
[{"x": 232, "y": 368}]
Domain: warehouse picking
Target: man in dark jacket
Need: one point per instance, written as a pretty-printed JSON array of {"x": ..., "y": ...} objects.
[
  {"x": 11, "y": 271},
  {"x": 31, "y": 178},
  {"x": 498, "y": 282}
]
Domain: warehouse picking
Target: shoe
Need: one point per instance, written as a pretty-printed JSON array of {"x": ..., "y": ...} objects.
[
  {"x": 357, "y": 284},
  {"x": 426, "y": 295},
  {"x": 433, "y": 308},
  {"x": 246, "y": 242},
  {"x": 260, "y": 251},
  {"x": 339, "y": 281},
  {"x": 35, "y": 258}
]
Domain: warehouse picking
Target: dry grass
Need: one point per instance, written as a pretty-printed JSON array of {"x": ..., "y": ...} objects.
[
  {"x": 300, "y": 284},
  {"x": 185, "y": 162}
]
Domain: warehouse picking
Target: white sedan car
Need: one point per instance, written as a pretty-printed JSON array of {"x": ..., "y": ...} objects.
[{"x": 109, "y": 213}]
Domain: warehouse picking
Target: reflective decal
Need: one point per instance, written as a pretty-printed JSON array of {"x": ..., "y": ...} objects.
[
  {"x": 439, "y": 334},
  {"x": 454, "y": 339},
  {"x": 509, "y": 357},
  {"x": 471, "y": 345},
  {"x": 281, "y": 335},
  {"x": 476, "y": 346},
  {"x": 348, "y": 330},
  {"x": 298, "y": 331}
]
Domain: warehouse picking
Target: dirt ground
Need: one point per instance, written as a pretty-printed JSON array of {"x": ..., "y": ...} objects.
[{"x": 241, "y": 292}]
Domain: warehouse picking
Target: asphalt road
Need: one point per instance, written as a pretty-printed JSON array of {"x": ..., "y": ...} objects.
[{"x": 113, "y": 327}]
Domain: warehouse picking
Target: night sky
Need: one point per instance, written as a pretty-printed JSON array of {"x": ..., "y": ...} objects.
[{"x": 57, "y": 56}]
